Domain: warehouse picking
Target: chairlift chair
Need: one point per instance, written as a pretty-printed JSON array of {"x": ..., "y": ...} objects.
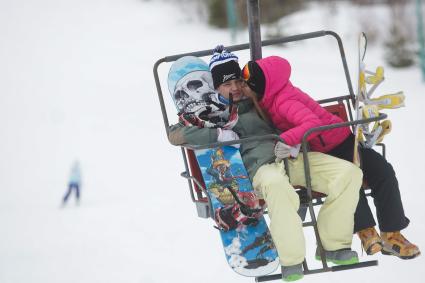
[{"x": 340, "y": 105}]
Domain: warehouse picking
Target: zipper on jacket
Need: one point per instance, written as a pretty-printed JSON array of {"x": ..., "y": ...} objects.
[{"x": 322, "y": 141}]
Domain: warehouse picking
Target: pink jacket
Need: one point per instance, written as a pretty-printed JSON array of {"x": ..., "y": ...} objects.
[{"x": 293, "y": 111}]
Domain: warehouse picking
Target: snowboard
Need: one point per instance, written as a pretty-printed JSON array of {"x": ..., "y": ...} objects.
[
  {"x": 249, "y": 249},
  {"x": 191, "y": 86}
]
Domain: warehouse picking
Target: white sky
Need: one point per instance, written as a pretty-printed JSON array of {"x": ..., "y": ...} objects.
[{"x": 76, "y": 82}]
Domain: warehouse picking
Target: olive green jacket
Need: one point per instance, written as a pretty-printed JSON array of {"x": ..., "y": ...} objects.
[{"x": 254, "y": 154}]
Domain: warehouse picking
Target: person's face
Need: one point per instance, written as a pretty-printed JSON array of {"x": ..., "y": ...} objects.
[{"x": 234, "y": 87}]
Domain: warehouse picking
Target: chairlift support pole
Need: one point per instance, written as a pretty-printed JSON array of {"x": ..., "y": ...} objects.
[{"x": 253, "y": 8}]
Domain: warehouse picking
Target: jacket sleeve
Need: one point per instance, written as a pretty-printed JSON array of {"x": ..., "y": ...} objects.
[
  {"x": 301, "y": 118},
  {"x": 179, "y": 134}
]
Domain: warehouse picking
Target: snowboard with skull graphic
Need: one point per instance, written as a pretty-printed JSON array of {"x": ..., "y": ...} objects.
[
  {"x": 190, "y": 83},
  {"x": 249, "y": 249}
]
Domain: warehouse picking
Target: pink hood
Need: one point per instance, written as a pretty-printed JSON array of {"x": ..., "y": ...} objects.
[{"x": 294, "y": 112}]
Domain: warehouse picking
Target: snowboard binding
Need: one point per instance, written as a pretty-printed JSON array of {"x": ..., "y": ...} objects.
[{"x": 240, "y": 213}]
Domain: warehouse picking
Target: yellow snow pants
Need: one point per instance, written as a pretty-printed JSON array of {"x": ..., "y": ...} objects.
[{"x": 340, "y": 180}]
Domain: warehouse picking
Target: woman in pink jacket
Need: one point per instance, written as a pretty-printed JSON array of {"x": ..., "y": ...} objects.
[{"x": 294, "y": 112}]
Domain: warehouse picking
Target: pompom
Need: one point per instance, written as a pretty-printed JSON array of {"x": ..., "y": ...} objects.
[{"x": 219, "y": 49}]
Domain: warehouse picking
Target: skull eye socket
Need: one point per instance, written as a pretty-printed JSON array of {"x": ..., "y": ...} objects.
[
  {"x": 180, "y": 94},
  {"x": 194, "y": 85}
]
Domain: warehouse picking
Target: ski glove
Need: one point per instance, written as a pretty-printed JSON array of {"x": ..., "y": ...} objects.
[
  {"x": 190, "y": 119},
  {"x": 227, "y": 135},
  {"x": 282, "y": 150}
]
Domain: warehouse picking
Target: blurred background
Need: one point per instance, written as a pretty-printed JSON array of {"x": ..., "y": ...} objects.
[{"x": 398, "y": 35}]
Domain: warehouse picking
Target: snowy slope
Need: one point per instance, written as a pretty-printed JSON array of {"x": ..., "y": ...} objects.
[{"x": 76, "y": 83}]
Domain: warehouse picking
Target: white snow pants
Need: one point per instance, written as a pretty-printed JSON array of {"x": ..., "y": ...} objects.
[{"x": 340, "y": 180}]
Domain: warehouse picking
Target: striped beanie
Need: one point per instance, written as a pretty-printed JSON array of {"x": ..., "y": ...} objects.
[{"x": 224, "y": 66}]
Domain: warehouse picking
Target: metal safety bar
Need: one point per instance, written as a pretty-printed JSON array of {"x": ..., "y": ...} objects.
[{"x": 278, "y": 276}]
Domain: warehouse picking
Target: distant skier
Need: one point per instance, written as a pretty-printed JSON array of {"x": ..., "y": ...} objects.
[{"x": 74, "y": 183}]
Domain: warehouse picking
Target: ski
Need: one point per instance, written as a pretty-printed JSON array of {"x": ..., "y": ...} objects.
[{"x": 360, "y": 95}]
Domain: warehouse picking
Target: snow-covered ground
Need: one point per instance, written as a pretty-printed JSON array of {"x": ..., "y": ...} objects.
[{"x": 76, "y": 82}]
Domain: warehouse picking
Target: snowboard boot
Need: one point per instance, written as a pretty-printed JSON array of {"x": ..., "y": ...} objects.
[
  {"x": 292, "y": 272},
  {"x": 395, "y": 244},
  {"x": 339, "y": 257},
  {"x": 371, "y": 242}
]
